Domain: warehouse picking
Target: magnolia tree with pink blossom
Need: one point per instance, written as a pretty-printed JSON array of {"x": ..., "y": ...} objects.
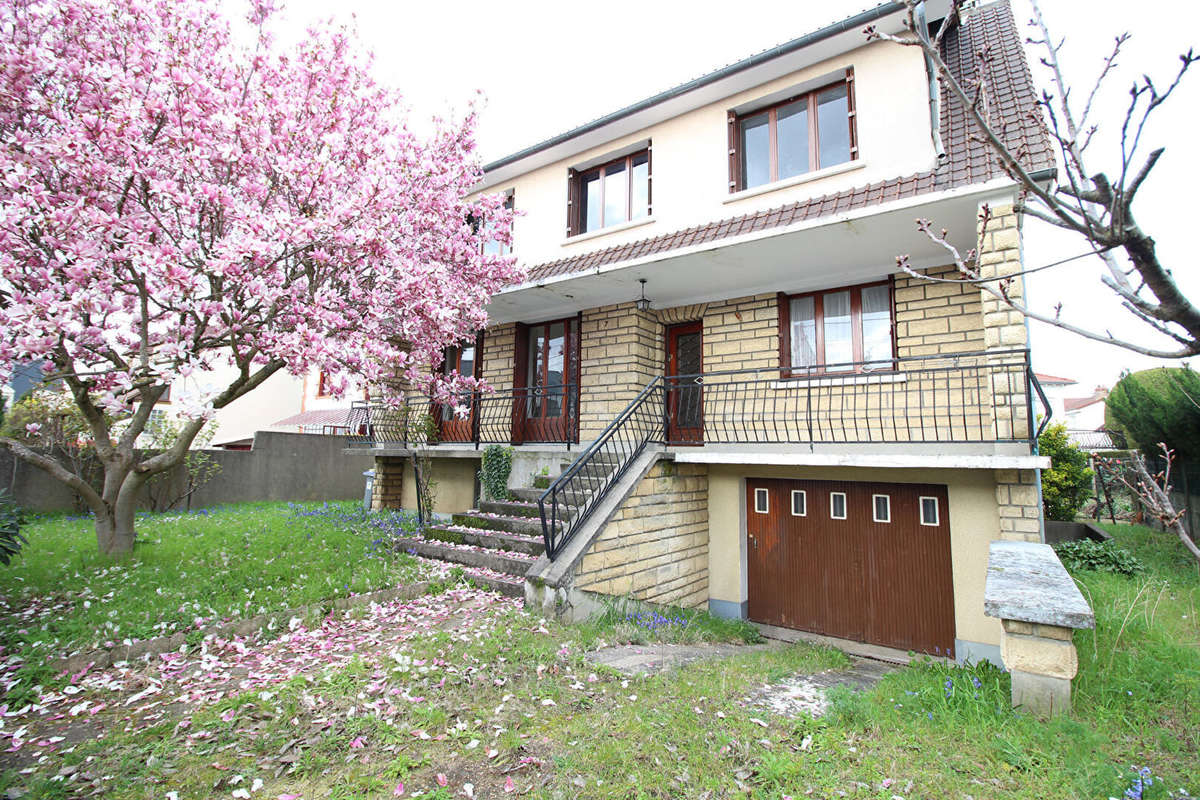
[{"x": 175, "y": 197}]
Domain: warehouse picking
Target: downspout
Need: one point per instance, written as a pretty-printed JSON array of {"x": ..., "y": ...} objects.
[{"x": 935, "y": 96}]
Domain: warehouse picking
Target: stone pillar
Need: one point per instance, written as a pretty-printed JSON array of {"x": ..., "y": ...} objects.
[
  {"x": 1018, "y": 505},
  {"x": 1039, "y": 607},
  {"x": 1042, "y": 662},
  {"x": 389, "y": 482},
  {"x": 1003, "y": 328}
]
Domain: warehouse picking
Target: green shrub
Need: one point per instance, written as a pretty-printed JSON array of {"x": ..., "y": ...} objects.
[
  {"x": 1068, "y": 482},
  {"x": 11, "y": 520},
  {"x": 494, "y": 471},
  {"x": 1158, "y": 405},
  {"x": 1106, "y": 556}
]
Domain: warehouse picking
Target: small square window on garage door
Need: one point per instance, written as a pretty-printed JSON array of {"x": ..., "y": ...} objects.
[
  {"x": 762, "y": 502},
  {"x": 799, "y": 503},
  {"x": 881, "y": 507},
  {"x": 929, "y": 511},
  {"x": 837, "y": 505}
]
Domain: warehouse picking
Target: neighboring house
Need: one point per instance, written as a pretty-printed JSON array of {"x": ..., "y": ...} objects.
[
  {"x": 1082, "y": 416},
  {"x": 1086, "y": 413},
  {"x": 320, "y": 412},
  {"x": 786, "y": 429},
  {"x": 1056, "y": 390},
  {"x": 283, "y": 402}
]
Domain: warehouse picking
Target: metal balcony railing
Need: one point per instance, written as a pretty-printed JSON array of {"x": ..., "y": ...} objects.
[
  {"x": 979, "y": 397},
  {"x": 547, "y": 414}
]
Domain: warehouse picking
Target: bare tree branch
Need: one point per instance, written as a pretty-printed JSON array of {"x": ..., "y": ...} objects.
[{"x": 1087, "y": 203}]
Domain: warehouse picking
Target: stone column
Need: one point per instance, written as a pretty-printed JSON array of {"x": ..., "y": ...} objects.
[
  {"x": 1018, "y": 505},
  {"x": 1039, "y": 607},
  {"x": 1042, "y": 661},
  {"x": 1003, "y": 328},
  {"x": 389, "y": 482}
]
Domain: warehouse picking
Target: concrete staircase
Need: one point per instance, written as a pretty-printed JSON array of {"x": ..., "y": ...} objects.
[{"x": 495, "y": 544}]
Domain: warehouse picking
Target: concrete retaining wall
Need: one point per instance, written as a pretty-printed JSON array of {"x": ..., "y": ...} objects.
[{"x": 282, "y": 466}]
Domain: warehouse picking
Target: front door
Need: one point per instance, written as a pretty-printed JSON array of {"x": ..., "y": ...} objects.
[
  {"x": 457, "y": 420},
  {"x": 685, "y": 389},
  {"x": 548, "y": 397}
]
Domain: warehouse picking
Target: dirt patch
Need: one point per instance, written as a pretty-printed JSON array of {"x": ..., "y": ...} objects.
[
  {"x": 808, "y": 694},
  {"x": 651, "y": 659}
]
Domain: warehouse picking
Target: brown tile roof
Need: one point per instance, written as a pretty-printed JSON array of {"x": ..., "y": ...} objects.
[
  {"x": 321, "y": 416},
  {"x": 991, "y": 30},
  {"x": 1099, "y": 394},
  {"x": 1053, "y": 380}
]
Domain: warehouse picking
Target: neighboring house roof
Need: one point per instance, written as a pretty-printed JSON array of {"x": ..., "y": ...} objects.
[
  {"x": 323, "y": 416},
  {"x": 1013, "y": 107},
  {"x": 1053, "y": 380},
  {"x": 1099, "y": 395}
]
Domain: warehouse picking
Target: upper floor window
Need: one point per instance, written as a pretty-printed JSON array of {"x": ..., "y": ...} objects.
[
  {"x": 492, "y": 246},
  {"x": 609, "y": 194},
  {"x": 802, "y": 134},
  {"x": 324, "y": 384},
  {"x": 838, "y": 330}
]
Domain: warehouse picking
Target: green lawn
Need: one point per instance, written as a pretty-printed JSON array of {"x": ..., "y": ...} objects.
[
  {"x": 502, "y": 700},
  {"x": 187, "y": 570}
]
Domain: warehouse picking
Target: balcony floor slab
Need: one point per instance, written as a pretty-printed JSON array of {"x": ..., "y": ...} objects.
[{"x": 943, "y": 456}]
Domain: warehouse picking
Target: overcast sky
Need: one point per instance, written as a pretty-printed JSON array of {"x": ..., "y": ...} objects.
[{"x": 544, "y": 67}]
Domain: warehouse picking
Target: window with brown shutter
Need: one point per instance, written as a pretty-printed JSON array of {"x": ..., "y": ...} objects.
[
  {"x": 609, "y": 194},
  {"x": 804, "y": 133}
]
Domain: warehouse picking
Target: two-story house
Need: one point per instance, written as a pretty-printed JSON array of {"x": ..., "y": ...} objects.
[{"x": 743, "y": 403}]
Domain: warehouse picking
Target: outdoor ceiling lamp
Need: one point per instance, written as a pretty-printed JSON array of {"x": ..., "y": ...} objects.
[{"x": 642, "y": 303}]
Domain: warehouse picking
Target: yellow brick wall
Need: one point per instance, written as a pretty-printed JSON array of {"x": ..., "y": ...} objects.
[
  {"x": 655, "y": 548},
  {"x": 937, "y": 318},
  {"x": 742, "y": 333},
  {"x": 499, "y": 343},
  {"x": 621, "y": 350},
  {"x": 1017, "y": 500}
]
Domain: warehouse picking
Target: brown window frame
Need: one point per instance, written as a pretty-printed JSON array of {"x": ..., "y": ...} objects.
[
  {"x": 784, "y": 302},
  {"x": 577, "y": 214},
  {"x": 323, "y": 388},
  {"x": 737, "y": 144}
]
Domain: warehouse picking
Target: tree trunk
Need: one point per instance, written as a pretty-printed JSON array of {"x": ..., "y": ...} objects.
[
  {"x": 115, "y": 532},
  {"x": 113, "y": 536}
]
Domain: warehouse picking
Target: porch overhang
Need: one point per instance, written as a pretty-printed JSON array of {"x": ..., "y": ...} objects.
[{"x": 836, "y": 250}]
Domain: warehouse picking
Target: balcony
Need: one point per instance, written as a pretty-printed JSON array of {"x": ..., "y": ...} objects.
[
  {"x": 536, "y": 415},
  {"x": 944, "y": 402}
]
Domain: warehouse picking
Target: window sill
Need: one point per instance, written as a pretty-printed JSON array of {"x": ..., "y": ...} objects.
[
  {"x": 827, "y": 172},
  {"x": 624, "y": 226},
  {"x": 842, "y": 380}
]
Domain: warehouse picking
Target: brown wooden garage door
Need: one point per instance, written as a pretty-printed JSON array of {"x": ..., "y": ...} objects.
[{"x": 881, "y": 574}]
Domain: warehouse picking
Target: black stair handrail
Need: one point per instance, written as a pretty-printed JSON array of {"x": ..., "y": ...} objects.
[{"x": 587, "y": 481}]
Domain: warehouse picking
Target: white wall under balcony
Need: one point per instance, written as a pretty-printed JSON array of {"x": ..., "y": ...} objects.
[{"x": 830, "y": 251}]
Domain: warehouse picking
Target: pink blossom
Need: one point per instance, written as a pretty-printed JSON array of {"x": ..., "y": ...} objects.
[
  {"x": 175, "y": 200},
  {"x": 33, "y": 428}
]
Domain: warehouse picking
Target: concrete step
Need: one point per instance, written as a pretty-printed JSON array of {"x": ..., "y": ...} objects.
[
  {"x": 511, "y": 587},
  {"x": 493, "y": 540},
  {"x": 523, "y": 508},
  {"x": 514, "y": 508},
  {"x": 532, "y": 495},
  {"x": 495, "y": 560},
  {"x": 529, "y": 526}
]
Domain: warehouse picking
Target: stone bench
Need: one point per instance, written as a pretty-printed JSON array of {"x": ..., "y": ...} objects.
[{"x": 1040, "y": 607}]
